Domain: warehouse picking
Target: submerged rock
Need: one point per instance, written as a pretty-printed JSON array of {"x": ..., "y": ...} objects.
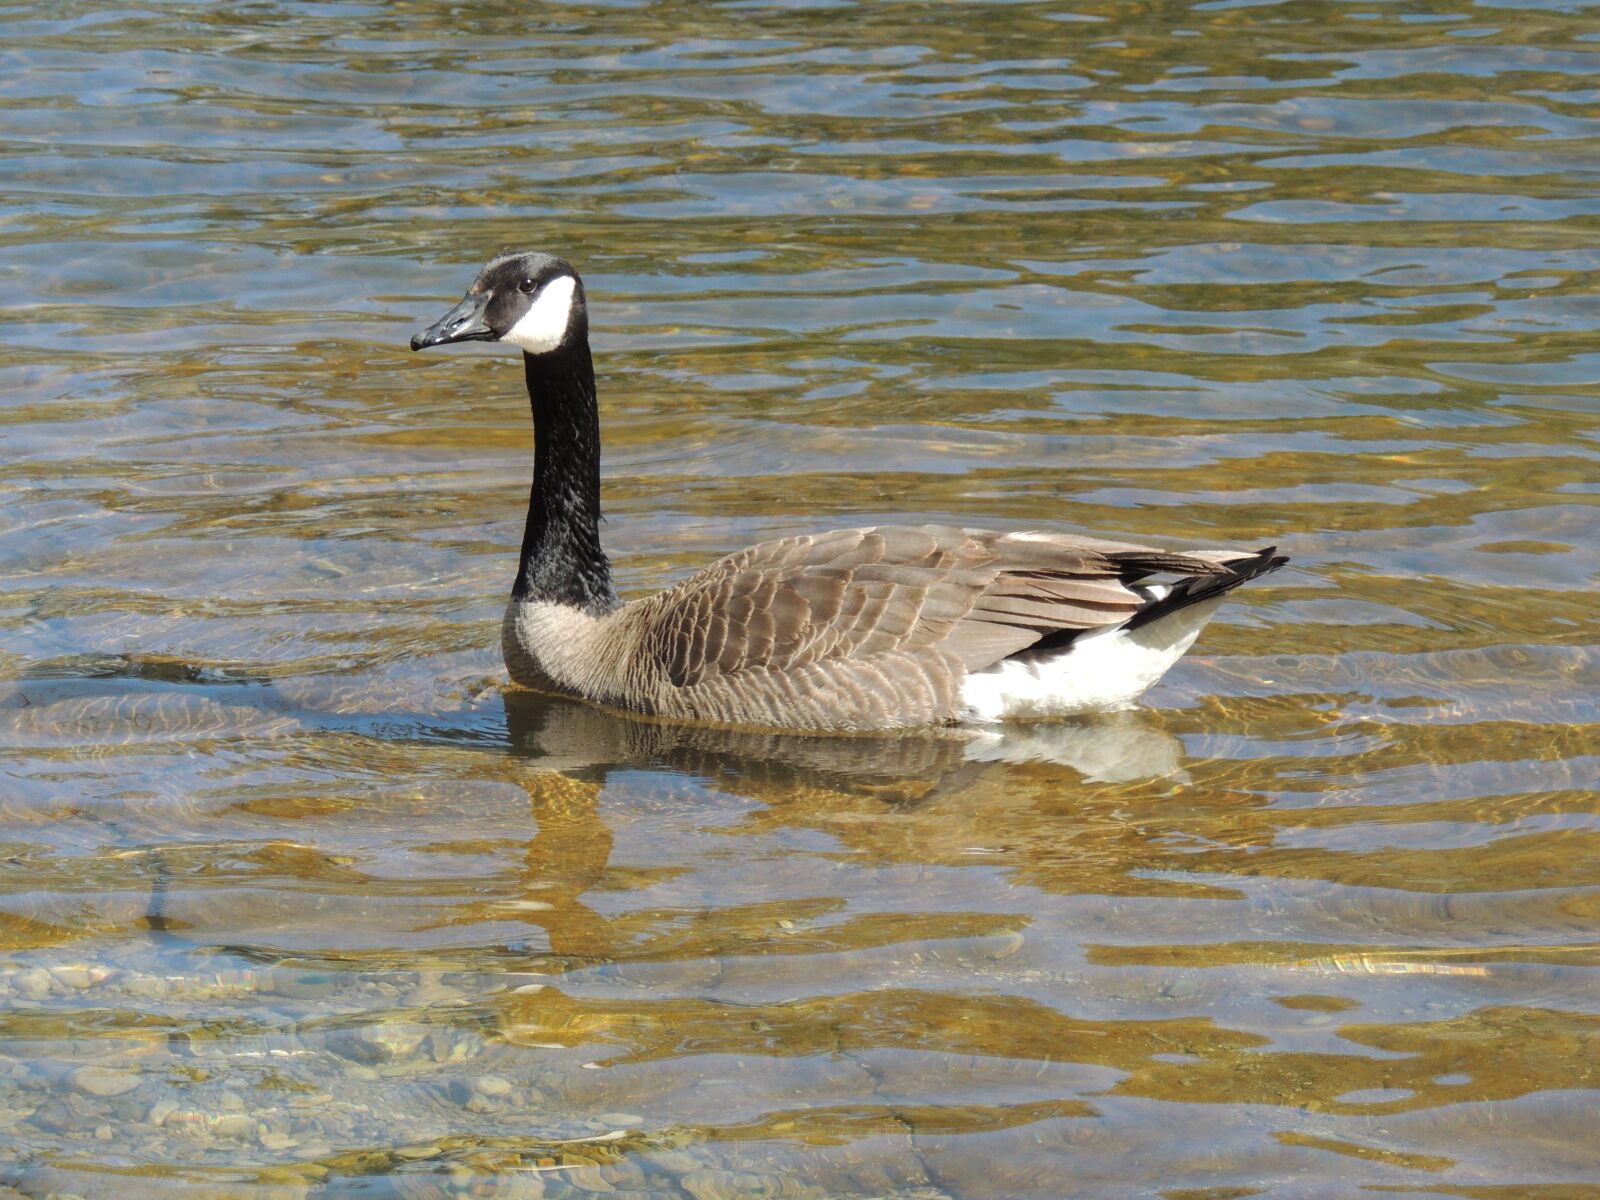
[{"x": 104, "y": 1081}]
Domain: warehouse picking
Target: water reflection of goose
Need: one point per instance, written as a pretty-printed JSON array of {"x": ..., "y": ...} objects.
[
  {"x": 921, "y": 776},
  {"x": 853, "y": 630},
  {"x": 586, "y": 742}
]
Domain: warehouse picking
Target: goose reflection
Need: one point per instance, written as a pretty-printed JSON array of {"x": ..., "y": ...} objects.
[
  {"x": 586, "y": 742},
  {"x": 564, "y": 752}
]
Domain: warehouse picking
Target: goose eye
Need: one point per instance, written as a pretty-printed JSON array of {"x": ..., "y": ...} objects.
[{"x": 525, "y": 287}]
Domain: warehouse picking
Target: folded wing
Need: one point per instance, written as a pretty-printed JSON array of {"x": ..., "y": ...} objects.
[{"x": 885, "y": 616}]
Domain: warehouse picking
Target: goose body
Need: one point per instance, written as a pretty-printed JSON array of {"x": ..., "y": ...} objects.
[{"x": 853, "y": 630}]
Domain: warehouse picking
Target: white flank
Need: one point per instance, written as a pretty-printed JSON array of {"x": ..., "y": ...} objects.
[
  {"x": 544, "y": 326},
  {"x": 1101, "y": 671}
]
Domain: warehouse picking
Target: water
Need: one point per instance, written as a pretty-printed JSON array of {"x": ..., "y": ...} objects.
[{"x": 297, "y": 902}]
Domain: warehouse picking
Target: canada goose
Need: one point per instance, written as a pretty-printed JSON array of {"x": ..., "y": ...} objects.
[{"x": 858, "y": 629}]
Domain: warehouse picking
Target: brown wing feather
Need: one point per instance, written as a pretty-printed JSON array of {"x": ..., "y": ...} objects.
[{"x": 860, "y": 613}]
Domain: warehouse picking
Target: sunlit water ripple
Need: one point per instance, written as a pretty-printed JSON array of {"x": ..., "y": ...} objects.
[{"x": 298, "y": 902}]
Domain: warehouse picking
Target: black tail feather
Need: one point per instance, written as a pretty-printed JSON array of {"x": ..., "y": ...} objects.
[
  {"x": 1193, "y": 590},
  {"x": 1205, "y": 587}
]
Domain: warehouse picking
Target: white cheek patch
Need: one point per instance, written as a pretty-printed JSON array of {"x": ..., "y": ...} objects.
[{"x": 544, "y": 326}]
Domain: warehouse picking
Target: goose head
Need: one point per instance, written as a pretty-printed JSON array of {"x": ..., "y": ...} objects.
[{"x": 526, "y": 299}]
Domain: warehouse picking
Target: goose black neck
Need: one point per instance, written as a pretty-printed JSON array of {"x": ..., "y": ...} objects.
[{"x": 562, "y": 562}]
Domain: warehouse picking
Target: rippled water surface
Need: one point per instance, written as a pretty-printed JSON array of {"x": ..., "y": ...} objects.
[{"x": 296, "y": 900}]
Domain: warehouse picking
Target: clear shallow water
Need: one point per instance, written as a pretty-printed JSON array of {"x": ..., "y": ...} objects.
[{"x": 296, "y": 901}]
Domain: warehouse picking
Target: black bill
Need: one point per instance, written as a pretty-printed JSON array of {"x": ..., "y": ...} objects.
[{"x": 463, "y": 323}]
